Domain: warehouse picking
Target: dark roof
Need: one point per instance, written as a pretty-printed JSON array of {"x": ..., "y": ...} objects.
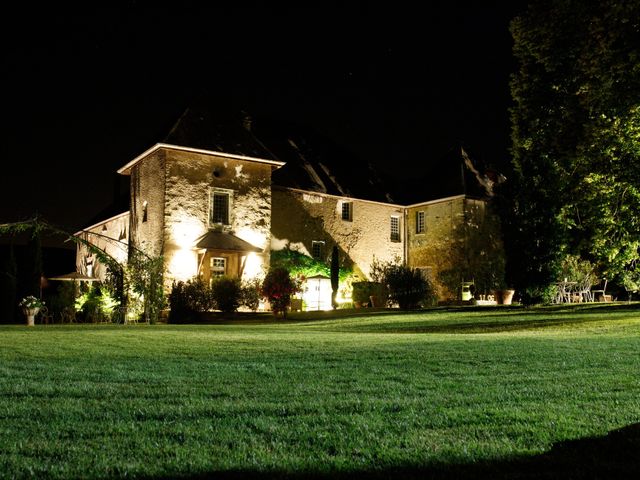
[
  {"x": 457, "y": 173},
  {"x": 313, "y": 162},
  {"x": 218, "y": 131},
  {"x": 225, "y": 241},
  {"x": 316, "y": 163}
]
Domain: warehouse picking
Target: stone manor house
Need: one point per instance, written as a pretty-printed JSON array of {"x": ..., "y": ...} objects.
[{"x": 215, "y": 200}]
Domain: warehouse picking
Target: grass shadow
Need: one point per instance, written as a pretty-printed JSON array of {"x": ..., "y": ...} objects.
[
  {"x": 496, "y": 319},
  {"x": 614, "y": 455}
]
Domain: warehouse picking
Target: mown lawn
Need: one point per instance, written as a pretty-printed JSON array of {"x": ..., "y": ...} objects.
[{"x": 447, "y": 393}]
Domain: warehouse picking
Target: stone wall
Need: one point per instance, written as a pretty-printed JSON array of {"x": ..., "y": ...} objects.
[
  {"x": 147, "y": 204},
  {"x": 111, "y": 236},
  {"x": 461, "y": 242},
  {"x": 190, "y": 179},
  {"x": 299, "y": 218}
]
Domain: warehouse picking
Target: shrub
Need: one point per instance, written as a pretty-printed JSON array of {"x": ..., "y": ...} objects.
[
  {"x": 226, "y": 293},
  {"x": 187, "y": 299},
  {"x": 251, "y": 294},
  {"x": 96, "y": 304},
  {"x": 277, "y": 287},
  {"x": 406, "y": 286}
]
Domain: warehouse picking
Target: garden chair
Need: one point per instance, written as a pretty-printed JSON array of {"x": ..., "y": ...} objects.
[
  {"x": 68, "y": 315},
  {"x": 583, "y": 290},
  {"x": 600, "y": 294},
  {"x": 44, "y": 316}
]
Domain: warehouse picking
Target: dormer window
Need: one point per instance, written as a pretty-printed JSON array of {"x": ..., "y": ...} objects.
[
  {"x": 347, "y": 211},
  {"x": 420, "y": 222},
  {"x": 220, "y": 206}
]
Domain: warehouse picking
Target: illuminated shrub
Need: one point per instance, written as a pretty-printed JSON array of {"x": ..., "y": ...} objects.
[
  {"x": 251, "y": 294},
  {"x": 277, "y": 287},
  {"x": 96, "y": 304}
]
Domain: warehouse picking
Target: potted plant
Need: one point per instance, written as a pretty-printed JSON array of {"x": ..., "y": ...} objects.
[{"x": 30, "y": 307}]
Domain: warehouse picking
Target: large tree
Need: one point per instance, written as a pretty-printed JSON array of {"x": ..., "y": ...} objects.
[{"x": 575, "y": 139}]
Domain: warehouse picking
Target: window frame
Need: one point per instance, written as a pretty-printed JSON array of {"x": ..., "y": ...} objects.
[
  {"x": 394, "y": 236},
  {"x": 421, "y": 224},
  {"x": 216, "y": 271},
  {"x": 349, "y": 211},
  {"x": 321, "y": 245},
  {"x": 212, "y": 209}
]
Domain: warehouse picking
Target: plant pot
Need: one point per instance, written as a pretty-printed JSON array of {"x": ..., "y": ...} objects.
[
  {"x": 31, "y": 313},
  {"x": 507, "y": 296}
]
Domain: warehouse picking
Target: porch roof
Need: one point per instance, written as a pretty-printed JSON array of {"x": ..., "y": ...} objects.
[{"x": 225, "y": 241}]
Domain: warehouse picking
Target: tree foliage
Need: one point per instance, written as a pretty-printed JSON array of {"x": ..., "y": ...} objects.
[
  {"x": 575, "y": 139},
  {"x": 335, "y": 275},
  {"x": 143, "y": 280}
]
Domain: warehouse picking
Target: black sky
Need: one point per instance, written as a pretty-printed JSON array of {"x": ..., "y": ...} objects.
[{"x": 85, "y": 91}]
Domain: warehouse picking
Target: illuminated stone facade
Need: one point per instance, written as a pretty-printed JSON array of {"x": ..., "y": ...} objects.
[
  {"x": 211, "y": 213},
  {"x": 457, "y": 238},
  {"x": 173, "y": 191},
  {"x": 313, "y": 223}
]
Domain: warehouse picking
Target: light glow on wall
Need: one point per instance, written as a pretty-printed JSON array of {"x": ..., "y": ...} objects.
[
  {"x": 187, "y": 231},
  {"x": 254, "y": 237},
  {"x": 253, "y": 267},
  {"x": 183, "y": 264}
]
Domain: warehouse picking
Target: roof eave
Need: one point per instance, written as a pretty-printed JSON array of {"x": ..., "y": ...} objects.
[{"x": 126, "y": 169}]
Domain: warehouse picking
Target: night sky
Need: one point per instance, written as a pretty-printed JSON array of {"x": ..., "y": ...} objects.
[{"x": 85, "y": 91}]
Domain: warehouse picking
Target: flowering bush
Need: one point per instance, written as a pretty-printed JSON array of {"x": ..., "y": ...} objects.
[
  {"x": 278, "y": 286},
  {"x": 31, "y": 302}
]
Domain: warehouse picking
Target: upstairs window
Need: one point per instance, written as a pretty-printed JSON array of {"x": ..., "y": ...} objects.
[
  {"x": 317, "y": 249},
  {"x": 420, "y": 222},
  {"x": 395, "y": 229},
  {"x": 347, "y": 211},
  {"x": 220, "y": 206}
]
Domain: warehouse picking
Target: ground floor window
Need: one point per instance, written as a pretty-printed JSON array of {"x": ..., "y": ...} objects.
[{"x": 218, "y": 266}]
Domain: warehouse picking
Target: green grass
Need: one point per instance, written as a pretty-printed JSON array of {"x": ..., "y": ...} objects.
[{"x": 388, "y": 394}]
